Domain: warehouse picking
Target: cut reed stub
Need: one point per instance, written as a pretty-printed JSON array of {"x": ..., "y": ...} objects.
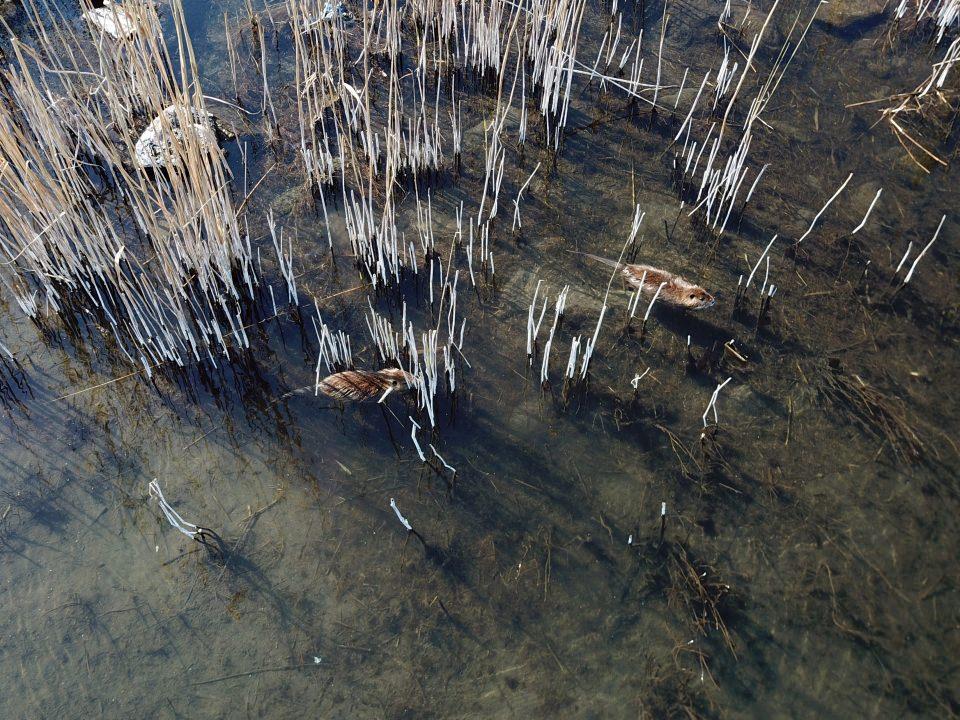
[
  {"x": 362, "y": 385},
  {"x": 157, "y": 146}
]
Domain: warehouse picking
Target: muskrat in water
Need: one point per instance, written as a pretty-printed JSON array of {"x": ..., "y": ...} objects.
[
  {"x": 365, "y": 384},
  {"x": 358, "y": 385},
  {"x": 676, "y": 291}
]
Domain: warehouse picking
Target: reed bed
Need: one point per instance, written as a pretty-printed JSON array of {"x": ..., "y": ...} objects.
[
  {"x": 166, "y": 266},
  {"x": 718, "y": 158},
  {"x": 370, "y": 132},
  {"x": 152, "y": 258},
  {"x": 152, "y": 249}
]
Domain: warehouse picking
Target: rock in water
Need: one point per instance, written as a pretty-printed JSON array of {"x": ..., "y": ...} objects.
[
  {"x": 332, "y": 12},
  {"x": 850, "y": 15},
  {"x": 154, "y": 148},
  {"x": 113, "y": 19}
]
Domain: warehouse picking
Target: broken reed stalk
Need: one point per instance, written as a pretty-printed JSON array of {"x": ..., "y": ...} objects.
[
  {"x": 205, "y": 536},
  {"x": 406, "y": 523}
]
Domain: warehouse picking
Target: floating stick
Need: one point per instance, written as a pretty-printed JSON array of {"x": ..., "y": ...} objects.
[
  {"x": 637, "y": 378},
  {"x": 206, "y": 537}
]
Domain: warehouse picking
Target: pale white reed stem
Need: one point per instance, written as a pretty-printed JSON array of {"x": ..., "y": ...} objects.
[
  {"x": 655, "y": 296},
  {"x": 923, "y": 252},
  {"x": 760, "y": 260},
  {"x": 904, "y": 258},
  {"x": 173, "y": 517},
  {"x": 447, "y": 465},
  {"x": 413, "y": 436},
  {"x": 863, "y": 222},
  {"x": 824, "y": 208},
  {"x": 400, "y": 517},
  {"x": 712, "y": 405},
  {"x": 559, "y": 307}
]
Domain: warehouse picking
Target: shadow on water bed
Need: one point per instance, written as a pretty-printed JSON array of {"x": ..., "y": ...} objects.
[{"x": 744, "y": 511}]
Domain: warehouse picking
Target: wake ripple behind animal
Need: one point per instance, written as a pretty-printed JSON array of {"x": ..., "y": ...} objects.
[
  {"x": 677, "y": 291},
  {"x": 365, "y": 384}
]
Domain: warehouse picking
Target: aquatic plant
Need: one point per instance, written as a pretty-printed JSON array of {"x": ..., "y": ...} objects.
[{"x": 154, "y": 257}]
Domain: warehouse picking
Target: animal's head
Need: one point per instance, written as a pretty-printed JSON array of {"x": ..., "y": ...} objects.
[
  {"x": 399, "y": 379},
  {"x": 697, "y": 298}
]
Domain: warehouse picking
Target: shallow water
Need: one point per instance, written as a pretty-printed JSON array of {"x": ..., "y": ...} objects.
[{"x": 829, "y": 557}]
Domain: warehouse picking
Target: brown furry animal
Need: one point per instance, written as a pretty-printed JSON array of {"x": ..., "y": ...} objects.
[
  {"x": 677, "y": 292},
  {"x": 365, "y": 384}
]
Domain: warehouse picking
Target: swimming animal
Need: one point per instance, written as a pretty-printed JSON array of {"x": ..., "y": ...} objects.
[
  {"x": 365, "y": 384},
  {"x": 676, "y": 291}
]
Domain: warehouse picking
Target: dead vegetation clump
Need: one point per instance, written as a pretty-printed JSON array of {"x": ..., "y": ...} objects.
[
  {"x": 671, "y": 693},
  {"x": 697, "y": 589},
  {"x": 693, "y": 588},
  {"x": 931, "y": 107},
  {"x": 879, "y": 414}
]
